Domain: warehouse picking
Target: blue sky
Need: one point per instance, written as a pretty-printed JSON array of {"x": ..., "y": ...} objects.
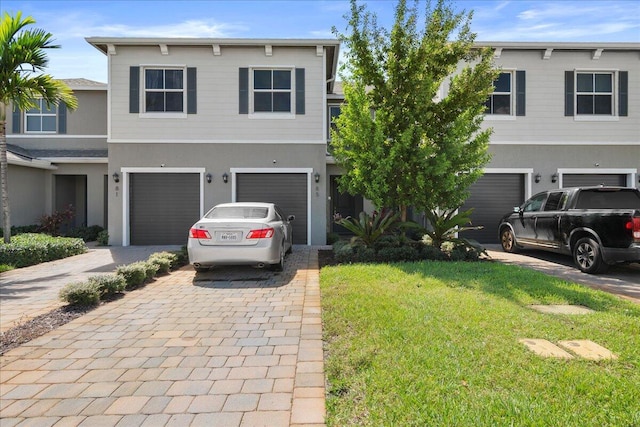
[{"x": 494, "y": 20}]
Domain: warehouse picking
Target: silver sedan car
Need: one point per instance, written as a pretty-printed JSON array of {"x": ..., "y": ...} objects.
[{"x": 243, "y": 233}]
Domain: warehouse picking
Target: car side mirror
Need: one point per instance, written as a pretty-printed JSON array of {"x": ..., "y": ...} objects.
[
  {"x": 291, "y": 217},
  {"x": 516, "y": 209}
]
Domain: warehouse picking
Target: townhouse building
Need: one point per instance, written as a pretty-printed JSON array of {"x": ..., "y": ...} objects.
[{"x": 184, "y": 124}]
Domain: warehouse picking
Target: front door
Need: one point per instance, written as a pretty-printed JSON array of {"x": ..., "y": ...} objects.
[{"x": 344, "y": 204}]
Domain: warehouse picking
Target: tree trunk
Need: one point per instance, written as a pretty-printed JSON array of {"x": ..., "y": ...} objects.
[
  {"x": 4, "y": 166},
  {"x": 403, "y": 213}
]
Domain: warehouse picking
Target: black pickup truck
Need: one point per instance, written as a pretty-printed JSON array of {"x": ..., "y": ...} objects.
[{"x": 599, "y": 226}]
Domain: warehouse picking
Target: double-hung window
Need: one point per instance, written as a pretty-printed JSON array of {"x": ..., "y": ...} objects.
[
  {"x": 164, "y": 90},
  {"x": 42, "y": 118},
  {"x": 500, "y": 101},
  {"x": 594, "y": 93},
  {"x": 272, "y": 91}
]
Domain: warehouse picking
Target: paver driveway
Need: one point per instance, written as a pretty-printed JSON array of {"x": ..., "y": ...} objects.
[{"x": 232, "y": 347}]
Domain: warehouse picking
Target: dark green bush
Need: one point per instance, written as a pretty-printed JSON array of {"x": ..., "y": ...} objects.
[
  {"x": 109, "y": 284},
  {"x": 88, "y": 234},
  {"x": 103, "y": 238},
  {"x": 21, "y": 229},
  {"x": 150, "y": 269},
  {"x": 133, "y": 274},
  {"x": 30, "y": 249},
  {"x": 432, "y": 253},
  {"x": 332, "y": 238},
  {"x": 83, "y": 293},
  {"x": 399, "y": 254},
  {"x": 182, "y": 258}
]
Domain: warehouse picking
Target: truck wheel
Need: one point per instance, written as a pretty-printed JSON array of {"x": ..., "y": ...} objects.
[
  {"x": 587, "y": 255},
  {"x": 508, "y": 241}
]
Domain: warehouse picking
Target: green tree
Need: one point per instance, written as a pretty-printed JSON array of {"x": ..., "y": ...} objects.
[
  {"x": 400, "y": 141},
  {"x": 22, "y": 81}
]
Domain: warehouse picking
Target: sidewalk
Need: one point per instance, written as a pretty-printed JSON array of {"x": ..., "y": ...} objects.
[
  {"x": 31, "y": 291},
  {"x": 231, "y": 347}
]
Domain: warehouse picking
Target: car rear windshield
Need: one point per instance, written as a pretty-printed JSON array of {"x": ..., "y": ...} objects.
[
  {"x": 608, "y": 199},
  {"x": 238, "y": 212}
]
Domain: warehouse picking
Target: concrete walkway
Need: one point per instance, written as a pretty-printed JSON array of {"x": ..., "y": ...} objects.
[{"x": 231, "y": 347}]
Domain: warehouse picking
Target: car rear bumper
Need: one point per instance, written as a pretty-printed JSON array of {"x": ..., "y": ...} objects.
[
  {"x": 265, "y": 252},
  {"x": 614, "y": 255}
]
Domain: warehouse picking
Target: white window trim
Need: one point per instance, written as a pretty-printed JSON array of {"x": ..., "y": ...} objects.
[
  {"x": 40, "y": 114},
  {"x": 143, "y": 93},
  {"x": 613, "y": 117},
  {"x": 308, "y": 171},
  {"x": 512, "y": 99},
  {"x": 126, "y": 220},
  {"x": 262, "y": 115}
]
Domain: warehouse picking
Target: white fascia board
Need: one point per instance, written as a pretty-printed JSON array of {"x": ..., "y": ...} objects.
[
  {"x": 94, "y": 160},
  {"x": 36, "y": 164}
]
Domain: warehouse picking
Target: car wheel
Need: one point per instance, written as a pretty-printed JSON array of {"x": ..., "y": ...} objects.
[
  {"x": 201, "y": 269},
  {"x": 508, "y": 241},
  {"x": 588, "y": 257},
  {"x": 280, "y": 265},
  {"x": 290, "y": 249}
]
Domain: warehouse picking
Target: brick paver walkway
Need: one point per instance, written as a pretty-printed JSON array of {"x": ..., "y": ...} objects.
[{"x": 232, "y": 347}]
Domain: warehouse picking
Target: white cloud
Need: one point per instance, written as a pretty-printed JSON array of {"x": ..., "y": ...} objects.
[{"x": 191, "y": 28}]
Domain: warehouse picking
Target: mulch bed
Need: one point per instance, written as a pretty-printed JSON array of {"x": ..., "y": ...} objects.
[{"x": 325, "y": 258}]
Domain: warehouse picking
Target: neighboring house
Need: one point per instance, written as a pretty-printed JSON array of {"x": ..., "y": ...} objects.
[
  {"x": 190, "y": 123},
  {"x": 58, "y": 158},
  {"x": 196, "y": 122}
]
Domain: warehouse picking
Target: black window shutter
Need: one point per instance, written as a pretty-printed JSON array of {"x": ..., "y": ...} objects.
[
  {"x": 300, "y": 91},
  {"x": 623, "y": 93},
  {"x": 568, "y": 93},
  {"x": 62, "y": 117},
  {"x": 134, "y": 89},
  {"x": 244, "y": 91},
  {"x": 15, "y": 120},
  {"x": 520, "y": 93},
  {"x": 192, "y": 93}
]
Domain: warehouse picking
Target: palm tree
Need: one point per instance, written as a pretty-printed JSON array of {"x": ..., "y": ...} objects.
[{"x": 22, "y": 81}]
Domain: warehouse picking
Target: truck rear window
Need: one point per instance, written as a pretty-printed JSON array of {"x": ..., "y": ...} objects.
[{"x": 608, "y": 199}]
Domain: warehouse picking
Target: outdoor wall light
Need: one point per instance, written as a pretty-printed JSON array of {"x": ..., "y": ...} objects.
[
  {"x": 225, "y": 177},
  {"x": 209, "y": 178},
  {"x": 538, "y": 177},
  {"x": 316, "y": 177},
  {"x": 554, "y": 178},
  {"x": 116, "y": 177}
]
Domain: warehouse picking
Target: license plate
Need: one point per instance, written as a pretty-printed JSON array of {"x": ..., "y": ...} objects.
[{"x": 229, "y": 236}]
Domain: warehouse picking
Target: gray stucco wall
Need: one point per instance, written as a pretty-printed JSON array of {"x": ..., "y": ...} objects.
[{"x": 27, "y": 189}]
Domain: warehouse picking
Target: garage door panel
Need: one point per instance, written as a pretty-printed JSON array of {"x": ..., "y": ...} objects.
[
  {"x": 589, "y": 180},
  {"x": 162, "y": 207},
  {"x": 287, "y": 190},
  {"x": 492, "y": 196}
]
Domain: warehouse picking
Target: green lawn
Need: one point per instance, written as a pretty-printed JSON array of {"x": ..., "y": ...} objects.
[{"x": 436, "y": 344}]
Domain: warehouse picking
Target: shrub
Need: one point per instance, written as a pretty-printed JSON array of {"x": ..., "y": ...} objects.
[
  {"x": 103, "y": 238},
  {"x": 332, "y": 238},
  {"x": 399, "y": 254},
  {"x": 109, "y": 284},
  {"x": 83, "y": 293},
  {"x": 21, "y": 229},
  {"x": 88, "y": 234},
  {"x": 432, "y": 253},
  {"x": 150, "y": 269},
  {"x": 50, "y": 224},
  {"x": 367, "y": 229},
  {"x": 30, "y": 249},
  {"x": 182, "y": 258},
  {"x": 163, "y": 261},
  {"x": 133, "y": 274}
]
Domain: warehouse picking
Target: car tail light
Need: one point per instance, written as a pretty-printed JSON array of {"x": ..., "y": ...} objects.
[
  {"x": 263, "y": 233},
  {"x": 634, "y": 226},
  {"x": 198, "y": 233}
]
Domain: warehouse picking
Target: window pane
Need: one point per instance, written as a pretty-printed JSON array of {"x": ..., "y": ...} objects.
[
  {"x": 501, "y": 104},
  {"x": 153, "y": 79},
  {"x": 603, "y": 104},
  {"x": 50, "y": 110},
  {"x": 603, "y": 83},
  {"x": 585, "y": 82},
  {"x": 281, "y": 79},
  {"x": 282, "y": 101},
  {"x": 49, "y": 124},
  {"x": 585, "y": 104},
  {"x": 34, "y": 110},
  {"x": 502, "y": 83},
  {"x": 334, "y": 112},
  {"x": 262, "y": 79},
  {"x": 262, "y": 101},
  {"x": 33, "y": 124},
  {"x": 174, "y": 101},
  {"x": 173, "y": 79},
  {"x": 154, "y": 101}
]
